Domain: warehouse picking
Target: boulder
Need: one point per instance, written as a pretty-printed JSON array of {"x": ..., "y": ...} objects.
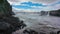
[
  {"x": 29, "y": 31},
  {"x": 5, "y": 28}
]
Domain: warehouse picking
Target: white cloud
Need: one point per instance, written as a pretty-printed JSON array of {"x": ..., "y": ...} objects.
[
  {"x": 16, "y": 2},
  {"x": 57, "y": 6},
  {"x": 45, "y": 2},
  {"x": 41, "y": 1}
]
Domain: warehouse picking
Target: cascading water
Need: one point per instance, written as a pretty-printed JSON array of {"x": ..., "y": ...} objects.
[{"x": 48, "y": 13}]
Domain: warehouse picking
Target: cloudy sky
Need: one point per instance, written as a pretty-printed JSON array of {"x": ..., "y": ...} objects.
[{"x": 34, "y": 5}]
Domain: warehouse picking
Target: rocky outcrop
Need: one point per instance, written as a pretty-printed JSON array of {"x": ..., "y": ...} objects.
[
  {"x": 50, "y": 13},
  {"x": 55, "y": 13},
  {"x": 8, "y": 23},
  {"x": 5, "y": 8},
  {"x": 43, "y": 13}
]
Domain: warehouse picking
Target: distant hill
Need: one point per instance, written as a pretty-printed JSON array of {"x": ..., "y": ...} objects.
[{"x": 28, "y": 12}]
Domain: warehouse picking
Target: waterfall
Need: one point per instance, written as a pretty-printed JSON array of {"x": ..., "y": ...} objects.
[{"x": 48, "y": 13}]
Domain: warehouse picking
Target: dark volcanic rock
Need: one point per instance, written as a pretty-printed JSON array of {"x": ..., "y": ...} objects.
[
  {"x": 5, "y": 28},
  {"x": 8, "y": 23},
  {"x": 43, "y": 13},
  {"x": 29, "y": 31},
  {"x": 55, "y": 13},
  {"x": 58, "y": 32},
  {"x": 4, "y": 25},
  {"x": 5, "y": 8}
]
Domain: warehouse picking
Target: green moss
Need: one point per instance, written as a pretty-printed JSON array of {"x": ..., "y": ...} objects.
[{"x": 1, "y": 1}]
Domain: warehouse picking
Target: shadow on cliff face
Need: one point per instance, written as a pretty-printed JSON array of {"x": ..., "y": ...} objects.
[{"x": 8, "y": 23}]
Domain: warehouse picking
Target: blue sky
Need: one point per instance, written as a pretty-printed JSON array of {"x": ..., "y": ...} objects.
[
  {"x": 28, "y": 5},
  {"x": 35, "y": 5}
]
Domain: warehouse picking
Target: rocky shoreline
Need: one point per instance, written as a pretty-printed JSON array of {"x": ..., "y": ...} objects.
[
  {"x": 43, "y": 29},
  {"x": 10, "y": 24}
]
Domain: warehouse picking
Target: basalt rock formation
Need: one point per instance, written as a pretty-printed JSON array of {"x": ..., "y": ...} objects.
[
  {"x": 8, "y": 23},
  {"x": 55, "y": 13}
]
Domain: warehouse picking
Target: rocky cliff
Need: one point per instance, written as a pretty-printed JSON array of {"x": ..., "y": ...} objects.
[
  {"x": 55, "y": 13},
  {"x": 5, "y": 8},
  {"x": 8, "y": 23}
]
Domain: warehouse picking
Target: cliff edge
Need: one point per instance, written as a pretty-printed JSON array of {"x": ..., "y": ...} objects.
[{"x": 8, "y": 23}]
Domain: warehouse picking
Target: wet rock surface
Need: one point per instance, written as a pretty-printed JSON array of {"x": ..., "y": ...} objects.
[
  {"x": 29, "y": 31},
  {"x": 41, "y": 30},
  {"x": 8, "y": 23}
]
